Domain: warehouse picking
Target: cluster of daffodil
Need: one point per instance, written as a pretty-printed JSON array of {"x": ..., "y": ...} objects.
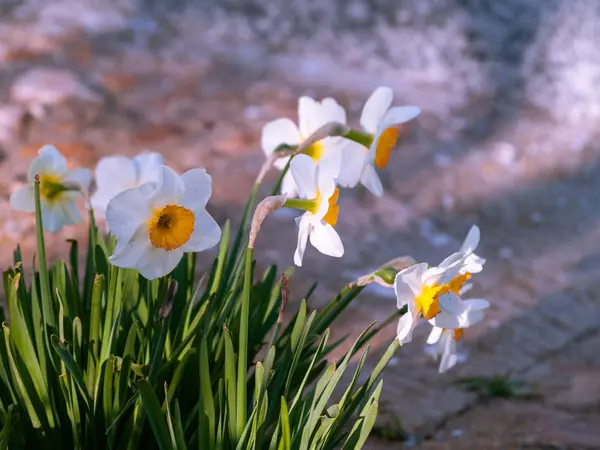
[
  {"x": 157, "y": 215},
  {"x": 433, "y": 293},
  {"x": 344, "y": 161}
]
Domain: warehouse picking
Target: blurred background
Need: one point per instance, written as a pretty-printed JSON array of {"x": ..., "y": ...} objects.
[{"x": 508, "y": 140}]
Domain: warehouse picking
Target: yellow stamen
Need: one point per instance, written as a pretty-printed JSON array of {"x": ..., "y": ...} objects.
[
  {"x": 332, "y": 212},
  {"x": 315, "y": 151},
  {"x": 457, "y": 333},
  {"x": 170, "y": 227},
  {"x": 386, "y": 142}
]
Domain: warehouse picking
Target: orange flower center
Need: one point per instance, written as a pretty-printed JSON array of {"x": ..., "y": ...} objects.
[
  {"x": 386, "y": 142},
  {"x": 457, "y": 334},
  {"x": 332, "y": 212},
  {"x": 170, "y": 227},
  {"x": 428, "y": 301}
]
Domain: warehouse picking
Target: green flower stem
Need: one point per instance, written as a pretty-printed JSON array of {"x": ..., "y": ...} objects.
[
  {"x": 277, "y": 185},
  {"x": 365, "y": 139},
  {"x": 282, "y": 148},
  {"x": 234, "y": 262},
  {"x": 303, "y": 204},
  {"x": 47, "y": 305},
  {"x": 243, "y": 346}
]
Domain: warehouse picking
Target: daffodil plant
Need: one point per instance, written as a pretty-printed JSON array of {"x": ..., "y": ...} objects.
[{"x": 134, "y": 352}]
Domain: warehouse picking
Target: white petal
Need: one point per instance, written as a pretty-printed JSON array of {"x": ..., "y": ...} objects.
[
  {"x": 57, "y": 214},
  {"x": 412, "y": 276},
  {"x": 353, "y": 163},
  {"x": 81, "y": 177},
  {"x": 371, "y": 181},
  {"x": 471, "y": 318},
  {"x": 451, "y": 267},
  {"x": 405, "y": 328},
  {"x": 325, "y": 239},
  {"x": 289, "y": 186},
  {"x": 472, "y": 264},
  {"x": 115, "y": 171},
  {"x": 206, "y": 233},
  {"x": 303, "y": 170},
  {"x": 400, "y": 115},
  {"x": 332, "y": 111},
  {"x": 474, "y": 311},
  {"x": 198, "y": 189},
  {"x": 113, "y": 175},
  {"x": 433, "y": 275},
  {"x": 447, "y": 362},
  {"x": 331, "y": 162},
  {"x": 304, "y": 228},
  {"x": 476, "y": 304},
  {"x": 451, "y": 303},
  {"x": 69, "y": 208},
  {"x": 452, "y": 260},
  {"x": 375, "y": 108},
  {"x": 169, "y": 189},
  {"x": 277, "y": 132},
  {"x": 471, "y": 241},
  {"x": 126, "y": 212},
  {"x": 157, "y": 262},
  {"x": 325, "y": 185},
  {"x": 446, "y": 320},
  {"x": 308, "y": 116},
  {"x": 49, "y": 161},
  {"x": 23, "y": 199},
  {"x": 434, "y": 335},
  {"x": 404, "y": 293},
  {"x": 128, "y": 252},
  {"x": 147, "y": 167}
]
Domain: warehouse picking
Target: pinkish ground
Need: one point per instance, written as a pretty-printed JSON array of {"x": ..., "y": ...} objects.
[{"x": 200, "y": 95}]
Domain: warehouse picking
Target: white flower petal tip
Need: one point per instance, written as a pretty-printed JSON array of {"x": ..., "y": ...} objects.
[
  {"x": 404, "y": 331},
  {"x": 399, "y": 115},
  {"x": 156, "y": 223},
  {"x": 114, "y": 174}
]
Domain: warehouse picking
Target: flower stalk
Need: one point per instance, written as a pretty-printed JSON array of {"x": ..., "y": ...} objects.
[{"x": 49, "y": 316}]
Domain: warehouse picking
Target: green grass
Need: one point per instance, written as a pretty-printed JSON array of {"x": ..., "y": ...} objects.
[{"x": 107, "y": 359}]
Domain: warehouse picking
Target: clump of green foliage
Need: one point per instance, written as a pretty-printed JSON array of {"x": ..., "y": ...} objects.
[{"x": 108, "y": 359}]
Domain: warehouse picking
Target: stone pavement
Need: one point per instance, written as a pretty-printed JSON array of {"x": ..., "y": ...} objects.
[{"x": 490, "y": 148}]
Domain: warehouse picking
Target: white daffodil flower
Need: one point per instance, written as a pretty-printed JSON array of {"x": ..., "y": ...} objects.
[
  {"x": 422, "y": 289},
  {"x": 312, "y": 115},
  {"x": 156, "y": 223},
  {"x": 435, "y": 293},
  {"x": 60, "y": 189},
  {"x": 381, "y": 123},
  {"x": 318, "y": 197},
  {"x": 114, "y": 174},
  {"x": 443, "y": 342}
]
